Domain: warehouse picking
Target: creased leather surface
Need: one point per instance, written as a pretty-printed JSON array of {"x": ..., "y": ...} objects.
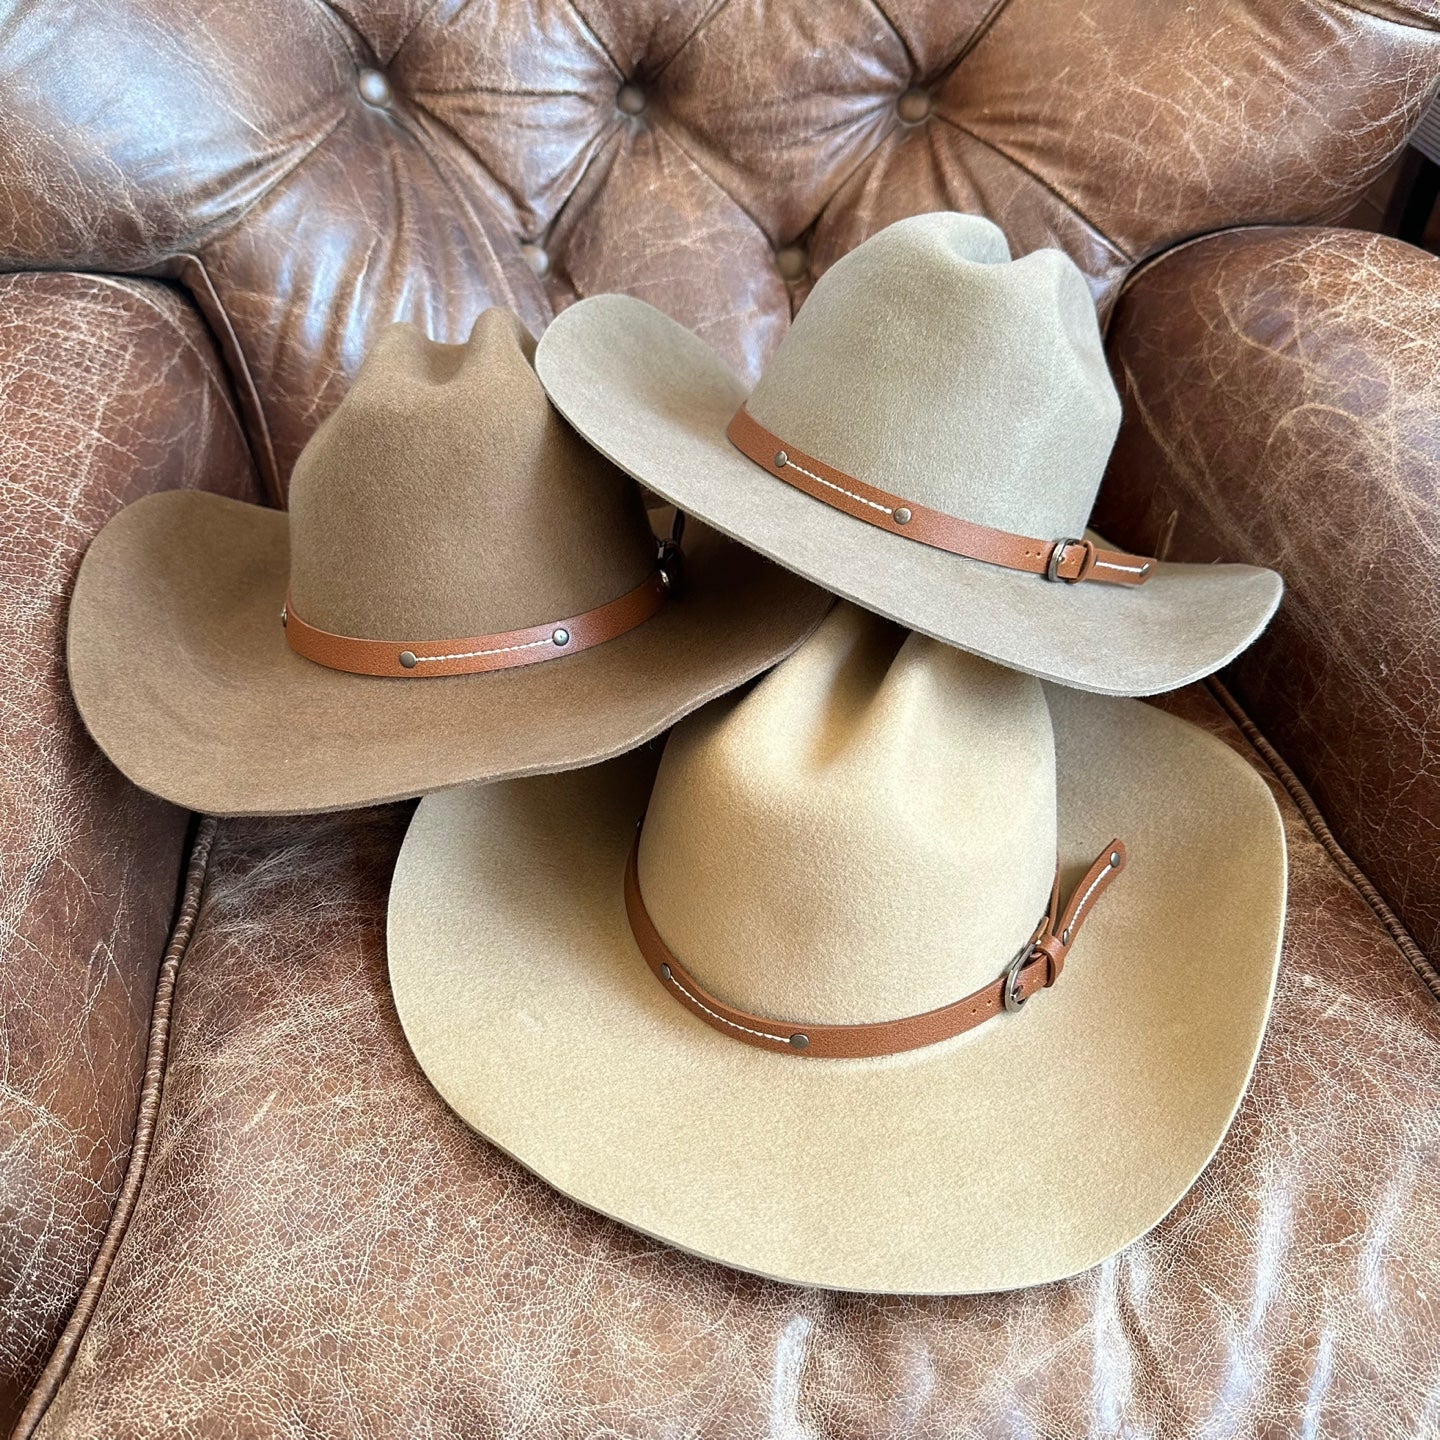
[
  {"x": 108, "y": 390},
  {"x": 1282, "y": 404},
  {"x": 319, "y": 1247},
  {"x": 709, "y": 157}
]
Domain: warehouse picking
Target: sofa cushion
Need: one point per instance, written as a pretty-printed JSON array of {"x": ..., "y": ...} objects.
[{"x": 319, "y": 1246}]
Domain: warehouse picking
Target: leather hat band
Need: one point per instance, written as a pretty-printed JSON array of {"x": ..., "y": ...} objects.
[
  {"x": 1037, "y": 966},
  {"x": 478, "y": 653},
  {"x": 1070, "y": 560}
]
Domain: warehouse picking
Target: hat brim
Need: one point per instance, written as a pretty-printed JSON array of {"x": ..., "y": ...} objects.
[
  {"x": 1025, "y": 1151},
  {"x": 655, "y": 400},
  {"x": 182, "y": 673}
]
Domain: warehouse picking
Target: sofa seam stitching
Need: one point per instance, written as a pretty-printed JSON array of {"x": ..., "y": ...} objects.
[
  {"x": 1115, "y": 248},
  {"x": 911, "y": 60},
  {"x": 583, "y": 21},
  {"x": 717, "y": 8},
  {"x": 973, "y": 41}
]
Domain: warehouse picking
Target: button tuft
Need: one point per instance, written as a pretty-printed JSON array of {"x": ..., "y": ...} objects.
[
  {"x": 630, "y": 99},
  {"x": 792, "y": 262},
  {"x": 914, "y": 106},
  {"x": 375, "y": 89},
  {"x": 536, "y": 259}
]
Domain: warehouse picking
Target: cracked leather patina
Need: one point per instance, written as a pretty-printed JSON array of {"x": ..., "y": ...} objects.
[
  {"x": 1283, "y": 408},
  {"x": 321, "y": 1247},
  {"x": 311, "y": 171},
  {"x": 307, "y": 1242},
  {"x": 109, "y": 389}
]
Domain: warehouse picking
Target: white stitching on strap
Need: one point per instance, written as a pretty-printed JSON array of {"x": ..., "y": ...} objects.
[
  {"x": 1085, "y": 898},
  {"x": 759, "y": 1034},
  {"x": 1128, "y": 569},
  {"x": 820, "y": 480},
  {"x": 475, "y": 654}
]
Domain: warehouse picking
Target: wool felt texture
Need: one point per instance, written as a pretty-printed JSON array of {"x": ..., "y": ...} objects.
[
  {"x": 927, "y": 363},
  {"x": 445, "y": 463},
  {"x": 838, "y": 770},
  {"x": 821, "y": 864},
  {"x": 443, "y": 497}
]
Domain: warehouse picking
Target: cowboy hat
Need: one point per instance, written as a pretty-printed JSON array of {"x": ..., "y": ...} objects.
[
  {"x": 835, "y": 1015},
  {"x": 927, "y": 441},
  {"x": 461, "y": 590}
]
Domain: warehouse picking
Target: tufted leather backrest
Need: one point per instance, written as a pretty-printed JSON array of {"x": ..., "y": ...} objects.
[{"x": 311, "y": 171}]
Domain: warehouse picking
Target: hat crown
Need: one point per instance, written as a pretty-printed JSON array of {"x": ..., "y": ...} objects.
[
  {"x": 928, "y": 363},
  {"x": 868, "y": 834},
  {"x": 445, "y": 498}
]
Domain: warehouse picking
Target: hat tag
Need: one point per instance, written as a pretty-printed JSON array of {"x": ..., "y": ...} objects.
[
  {"x": 1072, "y": 560},
  {"x": 1036, "y": 966},
  {"x": 504, "y": 650}
]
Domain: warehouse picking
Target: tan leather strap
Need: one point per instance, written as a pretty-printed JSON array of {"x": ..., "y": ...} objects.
[
  {"x": 1071, "y": 560},
  {"x": 1036, "y": 966},
  {"x": 477, "y": 653}
]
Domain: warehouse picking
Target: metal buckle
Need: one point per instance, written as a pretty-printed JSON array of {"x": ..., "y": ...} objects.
[
  {"x": 1057, "y": 557},
  {"x": 670, "y": 561},
  {"x": 1011, "y": 991},
  {"x": 670, "y": 558}
]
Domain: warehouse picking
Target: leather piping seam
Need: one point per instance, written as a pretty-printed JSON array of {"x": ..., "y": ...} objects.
[
  {"x": 1300, "y": 797},
  {"x": 252, "y": 423},
  {"x": 67, "y": 1344}
]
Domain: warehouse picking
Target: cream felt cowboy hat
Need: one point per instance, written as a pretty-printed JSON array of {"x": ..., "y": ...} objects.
[
  {"x": 461, "y": 590},
  {"x": 796, "y": 1024},
  {"x": 927, "y": 441}
]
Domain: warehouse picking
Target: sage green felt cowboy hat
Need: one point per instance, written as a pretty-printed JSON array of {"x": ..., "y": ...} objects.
[{"x": 927, "y": 441}]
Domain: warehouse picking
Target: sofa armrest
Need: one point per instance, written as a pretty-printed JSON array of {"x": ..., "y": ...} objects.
[
  {"x": 109, "y": 389},
  {"x": 1282, "y": 407}
]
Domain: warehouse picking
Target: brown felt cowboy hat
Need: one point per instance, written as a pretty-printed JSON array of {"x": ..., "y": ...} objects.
[
  {"x": 835, "y": 1014},
  {"x": 461, "y": 590},
  {"x": 927, "y": 441}
]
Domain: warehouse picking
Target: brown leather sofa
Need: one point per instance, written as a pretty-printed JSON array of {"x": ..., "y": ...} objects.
[{"x": 229, "y": 1203}]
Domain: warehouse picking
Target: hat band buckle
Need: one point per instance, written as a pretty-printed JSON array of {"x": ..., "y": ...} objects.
[
  {"x": 1071, "y": 560},
  {"x": 1060, "y": 550},
  {"x": 1036, "y": 966}
]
